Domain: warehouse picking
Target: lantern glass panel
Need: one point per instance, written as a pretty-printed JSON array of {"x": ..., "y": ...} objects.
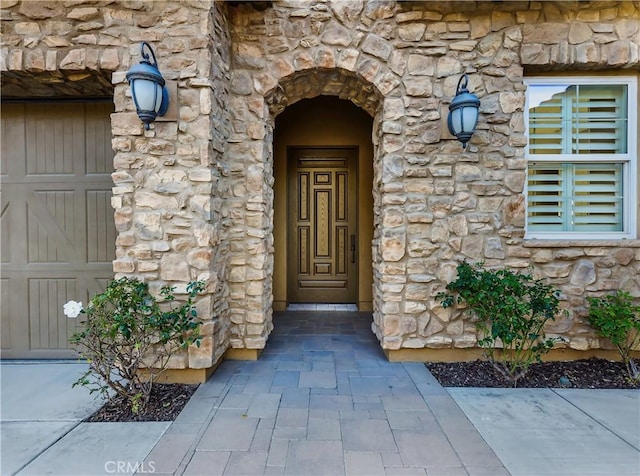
[
  {"x": 456, "y": 121},
  {"x": 148, "y": 94},
  {"x": 469, "y": 118}
]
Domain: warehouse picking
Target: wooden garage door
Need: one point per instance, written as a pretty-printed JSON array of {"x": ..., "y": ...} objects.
[{"x": 57, "y": 230}]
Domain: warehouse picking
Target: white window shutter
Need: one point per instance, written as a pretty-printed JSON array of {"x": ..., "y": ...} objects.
[
  {"x": 574, "y": 197},
  {"x": 546, "y": 206},
  {"x": 597, "y": 197},
  {"x": 580, "y": 120},
  {"x": 599, "y": 120},
  {"x": 547, "y": 128}
]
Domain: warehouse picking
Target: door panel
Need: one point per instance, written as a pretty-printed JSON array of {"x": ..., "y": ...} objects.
[
  {"x": 58, "y": 233},
  {"x": 322, "y": 225}
]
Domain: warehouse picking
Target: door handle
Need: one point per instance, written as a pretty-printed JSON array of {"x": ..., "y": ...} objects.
[{"x": 353, "y": 248}]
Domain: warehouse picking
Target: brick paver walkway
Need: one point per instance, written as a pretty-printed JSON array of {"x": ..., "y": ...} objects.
[{"x": 322, "y": 399}]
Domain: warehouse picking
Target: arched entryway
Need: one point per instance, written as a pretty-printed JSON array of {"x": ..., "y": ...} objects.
[
  {"x": 323, "y": 204},
  {"x": 253, "y": 272}
]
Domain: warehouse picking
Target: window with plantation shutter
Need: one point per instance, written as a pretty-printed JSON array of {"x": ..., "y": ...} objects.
[{"x": 582, "y": 157}]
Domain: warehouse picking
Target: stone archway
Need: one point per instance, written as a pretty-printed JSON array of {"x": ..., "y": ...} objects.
[
  {"x": 252, "y": 254},
  {"x": 265, "y": 77},
  {"x": 324, "y": 82}
]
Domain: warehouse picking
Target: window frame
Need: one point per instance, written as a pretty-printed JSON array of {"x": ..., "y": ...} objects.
[{"x": 629, "y": 160}]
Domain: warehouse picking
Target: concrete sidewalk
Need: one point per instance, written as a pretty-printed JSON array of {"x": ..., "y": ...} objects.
[
  {"x": 41, "y": 424},
  {"x": 558, "y": 432},
  {"x": 322, "y": 399}
]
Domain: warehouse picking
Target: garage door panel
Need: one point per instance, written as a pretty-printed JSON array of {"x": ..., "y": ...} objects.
[
  {"x": 49, "y": 328},
  {"x": 3, "y": 163},
  {"x": 51, "y": 227},
  {"x": 55, "y": 147},
  {"x": 5, "y": 310},
  {"x": 98, "y": 141},
  {"x": 100, "y": 234},
  {"x": 58, "y": 234},
  {"x": 15, "y": 322},
  {"x": 5, "y": 235},
  {"x": 14, "y": 151}
]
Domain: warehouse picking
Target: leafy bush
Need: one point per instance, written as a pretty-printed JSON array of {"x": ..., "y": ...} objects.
[
  {"x": 127, "y": 329},
  {"x": 511, "y": 311},
  {"x": 618, "y": 319}
]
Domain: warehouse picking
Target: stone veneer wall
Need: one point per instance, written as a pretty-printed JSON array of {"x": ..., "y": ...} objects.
[
  {"x": 193, "y": 197},
  {"x": 169, "y": 182},
  {"x": 435, "y": 205}
]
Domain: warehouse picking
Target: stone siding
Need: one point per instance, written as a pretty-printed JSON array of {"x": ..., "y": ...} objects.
[
  {"x": 170, "y": 182},
  {"x": 193, "y": 197},
  {"x": 435, "y": 205}
]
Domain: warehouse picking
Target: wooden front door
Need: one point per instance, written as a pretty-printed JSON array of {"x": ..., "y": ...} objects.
[
  {"x": 57, "y": 226},
  {"x": 322, "y": 225}
]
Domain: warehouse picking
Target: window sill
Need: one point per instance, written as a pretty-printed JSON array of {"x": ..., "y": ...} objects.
[{"x": 573, "y": 243}]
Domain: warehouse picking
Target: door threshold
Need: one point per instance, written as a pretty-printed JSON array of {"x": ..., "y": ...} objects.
[{"x": 323, "y": 307}]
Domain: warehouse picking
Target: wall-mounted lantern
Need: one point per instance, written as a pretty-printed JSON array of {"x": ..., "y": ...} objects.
[
  {"x": 148, "y": 87},
  {"x": 463, "y": 112}
]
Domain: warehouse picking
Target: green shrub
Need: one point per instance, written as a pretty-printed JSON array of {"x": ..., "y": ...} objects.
[
  {"x": 127, "y": 329},
  {"x": 618, "y": 319},
  {"x": 511, "y": 311}
]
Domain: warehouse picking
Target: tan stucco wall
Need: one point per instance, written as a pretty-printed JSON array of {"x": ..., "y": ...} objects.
[{"x": 324, "y": 121}]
